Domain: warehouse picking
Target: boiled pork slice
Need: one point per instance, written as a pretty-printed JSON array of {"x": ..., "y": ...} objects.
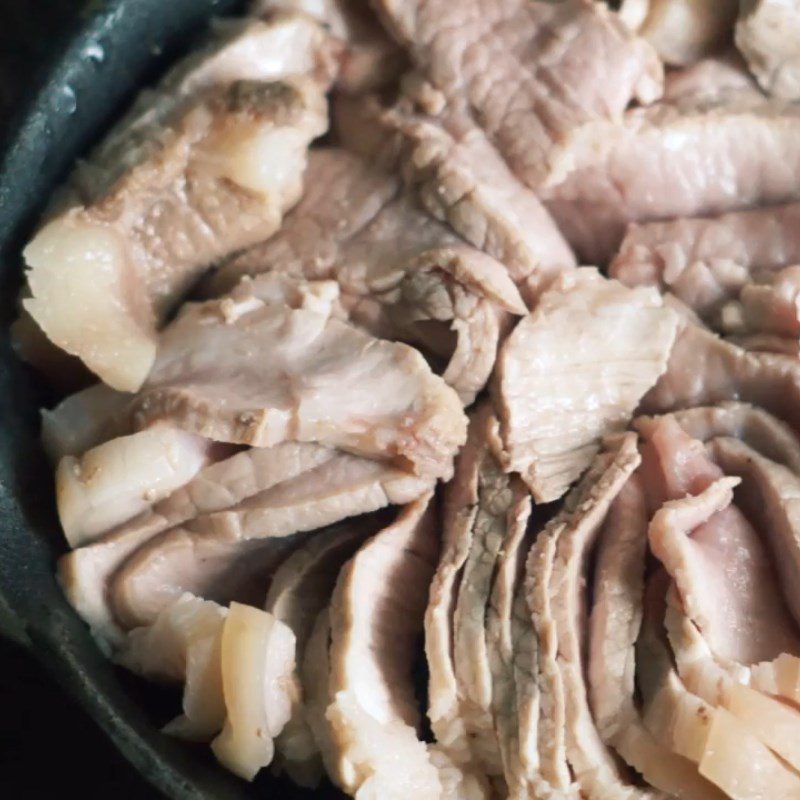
[
  {"x": 204, "y": 165},
  {"x": 704, "y": 369},
  {"x": 376, "y": 616},
  {"x": 632, "y": 171},
  {"x": 712, "y": 79},
  {"x": 574, "y": 370},
  {"x": 767, "y": 35},
  {"x": 570, "y": 747},
  {"x": 681, "y": 31},
  {"x": 272, "y": 362},
  {"x": 708, "y": 261},
  {"x": 224, "y": 555},
  {"x": 486, "y": 513},
  {"x": 122, "y": 478},
  {"x": 402, "y": 274},
  {"x": 530, "y": 73},
  {"x": 299, "y": 591}
]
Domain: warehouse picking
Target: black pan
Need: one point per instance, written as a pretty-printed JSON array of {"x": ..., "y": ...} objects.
[{"x": 113, "y": 48}]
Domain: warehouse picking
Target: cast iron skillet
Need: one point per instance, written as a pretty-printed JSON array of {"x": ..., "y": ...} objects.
[{"x": 114, "y": 47}]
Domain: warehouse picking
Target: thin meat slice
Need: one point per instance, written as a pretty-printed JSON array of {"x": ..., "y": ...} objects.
[
  {"x": 370, "y": 61},
  {"x": 257, "y": 657},
  {"x": 529, "y": 73},
  {"x": 704, "y": 369},
  {"x": 122, "y": 478},
  {"x": 767, "y": 36},
  {"x": 402, "y": 274},
  {"x": 722, "y": 569},
  {"x": 496, "y": 505},
  {"x": 460, "y": 178},
  {"x": 299, "y": 591},
  {"x": 770, "y": 496},
  {"x": 632, "y": 172},
  {"x": 504, "y": 632},
  {"x": 573, "y": 371},
  {"x": 708, "y": 261},
  {"x": 444, "y": 693},
  {"x": 184, "y": 644},
  {"x": 570, "y": 745},
  {"x": 376, "y": 615},
  {"x": 85, "y": 573},
  {"x": 84, "y": 420},
  {"x": 712, "y": 79},
  {"x": 214, "y": 175},
  {"x": 272, "y": 362},
  {"x": 224, "y": 555}
]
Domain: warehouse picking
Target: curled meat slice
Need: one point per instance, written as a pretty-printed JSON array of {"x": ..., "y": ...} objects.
[
  {"x": 272, "y": 362},
  {"x": 533, "y": 72},
  {"x": 574, "y": 370},
  {"x": 373, "y": 716},
  {"x": 204, "y": 165},
  {"x": 401, "y": 273}
]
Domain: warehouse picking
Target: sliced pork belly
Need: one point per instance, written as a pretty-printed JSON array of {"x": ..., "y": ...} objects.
[
  {"x": 704, "y": 369},
  {"x": 573, "y": 371},
  {"x": 709, "y": 261},
  {"x": 376, "y": 616},
  {"x": 530, "y": 73},
  {"x": 767, "y": 35},
  {"x": 272, "y": 363},
  {"x": 632, "y": 172},
  {"x": 224, "y": 555},
  {"x": 206, "y": 164},
  {"x": 116, "y": 481},
  {"x": 84, "y": 420},
  {"x": 683, "y": 31},
  {"x": 299, "y": 591},
  {"x": 402, "y": 274},
  {"x": 184, "y": 644}
]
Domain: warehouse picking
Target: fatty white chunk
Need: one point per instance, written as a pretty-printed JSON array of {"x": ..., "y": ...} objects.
[
  {"x": 257, "y": 679},
  {"x": 113, "y": 482}
]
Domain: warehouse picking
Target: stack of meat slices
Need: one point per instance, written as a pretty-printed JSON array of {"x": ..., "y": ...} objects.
[{"x": 360, "y": 410}]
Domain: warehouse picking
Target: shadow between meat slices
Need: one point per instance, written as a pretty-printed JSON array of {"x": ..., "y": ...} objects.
[
  {"x": 224, "y": 555},
  {"x": 573, "y": 371},
  {"x": 401, "y": 273},
  {"x": 272, "y": 362},
  {"x": 708, "y": 261},
  {"x": 205, "y": 164}
]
